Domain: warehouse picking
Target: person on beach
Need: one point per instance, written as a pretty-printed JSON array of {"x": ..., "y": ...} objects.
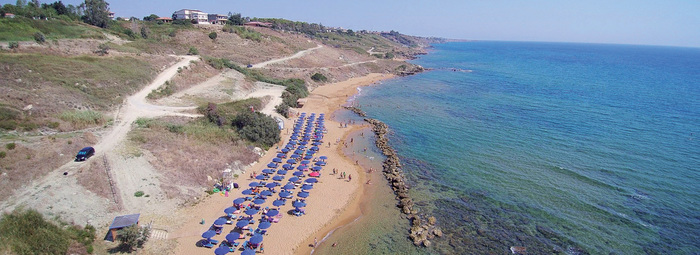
[
  {"x": 352, "y": 140},
  {"x": 349, "y": 177},
  {"x": 315, "y": 242},
  {"x": 369, "y": 181}
]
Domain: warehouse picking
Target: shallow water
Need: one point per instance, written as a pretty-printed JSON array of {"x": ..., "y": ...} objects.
[{"x": 577, "y": 148}]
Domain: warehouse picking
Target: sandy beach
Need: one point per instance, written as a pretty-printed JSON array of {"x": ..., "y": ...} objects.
[{"x": 332, "y": 202}]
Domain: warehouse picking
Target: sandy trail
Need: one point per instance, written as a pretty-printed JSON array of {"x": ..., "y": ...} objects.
[{"x": 297, "y": 55}]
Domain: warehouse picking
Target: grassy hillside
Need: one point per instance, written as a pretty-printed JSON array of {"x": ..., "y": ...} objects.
[
  {"x": 55, "y": 84},
  {"x": 23, "y": 29}
]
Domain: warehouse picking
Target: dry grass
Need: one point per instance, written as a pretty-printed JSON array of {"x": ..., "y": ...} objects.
[
  {"x": 32, "y": 160},
  {"x": 94, "y": 178},
  {"x": 188, "y": 154},
  {"x": 196, "y": 73}
]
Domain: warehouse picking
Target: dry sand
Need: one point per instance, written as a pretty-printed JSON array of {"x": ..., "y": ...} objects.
[{"x": 332, "y": 203}]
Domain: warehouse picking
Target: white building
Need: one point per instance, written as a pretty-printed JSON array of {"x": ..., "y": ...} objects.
[
  {"x": 187, "y": 14},
  {"x": 218, "y": 19}
]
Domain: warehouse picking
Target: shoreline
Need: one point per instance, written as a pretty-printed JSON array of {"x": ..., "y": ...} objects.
[{"x": 333, "y": 203}]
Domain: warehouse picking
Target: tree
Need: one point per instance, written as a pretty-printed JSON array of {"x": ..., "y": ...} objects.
[
  {"x": 257, "y": 128},
  {"x": 132, "y": 237},
  {"x": 151, "y": 17},
  {"x": 145, "y": 32},
  {"x": 96, "y": 12},
  {"x": 213, "y": 35},
  {"x": 236, "y": 19},
  {"x": 318, "y": 77}
]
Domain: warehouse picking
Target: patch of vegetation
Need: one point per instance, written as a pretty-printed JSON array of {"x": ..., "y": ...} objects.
[
  {"x": 102, "y": 49},
  {"x": 106, "y": 81},
  {"x": 27, "y": 232},
  {"x": 318, "y": 77},
  {"x": 24, "y": 29},
  {"x": 139, "y": 193},
  {"x": 132, "y": 237},
  {"x": 39, "y": 37},
  {"x": 82, "y": 118},
  {"x": 13, "y": 45},
  {"x": 249, "y": 34},
  {"x": 3, "y": 154},
  {"x": 257, "y": 128},
  {"x": 221, "y": 114},
  {"x": 253, "y": 74},
  {"x": 167, "y": 89},
  {"x": 10, "y": 146},
  {"x": 213, "y": 35},
  {"x": 193, "y": 51},
  {"x": 283, "y": 109}
]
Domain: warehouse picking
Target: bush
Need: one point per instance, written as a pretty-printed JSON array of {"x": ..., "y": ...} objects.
[
  {"x": 3, "y": 154},
  {"x": 167, "y": 89},
  {"x": 132, "y": 237},
  {"x": 257, "y": 128},
  {"x": 145, "y": 32},
  {"x": 193, "y": 51},
  {"x": 213, "y": 35},
  {"x": 27, "y": 232},
  {"x": 138, "y": 193},
  {"x": 102, "y": 49},
  {"x": 389, "y": 55},
  {"x": 282, "y": 109},
  {"x": 39, "y": 37},
  {"x": 10, "y": 146},
  {"x": 82, "y": 118},
  {"x": 13, "y": 45},
  {"x": 318, "y": 77}
]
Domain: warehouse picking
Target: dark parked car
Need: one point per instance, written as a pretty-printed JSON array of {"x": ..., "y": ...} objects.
[{"x": 84, "y": 154}]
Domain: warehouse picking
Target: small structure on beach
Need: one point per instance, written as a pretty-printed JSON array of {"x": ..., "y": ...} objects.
[{"x": 121, "y": 222}]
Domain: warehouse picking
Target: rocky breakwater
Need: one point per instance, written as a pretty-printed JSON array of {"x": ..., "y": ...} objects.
[
  {"x": 356, "y": 110},
  {"x": 423, "y": 227}
]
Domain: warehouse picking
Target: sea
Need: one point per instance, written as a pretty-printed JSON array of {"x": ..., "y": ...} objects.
[{"x": 561, "y": 148}]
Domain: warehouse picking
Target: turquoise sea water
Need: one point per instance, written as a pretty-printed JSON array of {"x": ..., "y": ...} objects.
[{"x": 573, "y": 148}]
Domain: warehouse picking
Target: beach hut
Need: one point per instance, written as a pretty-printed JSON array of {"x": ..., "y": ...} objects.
[{"x": 119, "y": 223}]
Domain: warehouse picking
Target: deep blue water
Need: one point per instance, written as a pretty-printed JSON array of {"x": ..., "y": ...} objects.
[{"x": 580, "y": 148}]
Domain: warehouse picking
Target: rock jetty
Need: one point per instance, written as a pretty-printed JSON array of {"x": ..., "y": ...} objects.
[{"x": 423, "y": 227}]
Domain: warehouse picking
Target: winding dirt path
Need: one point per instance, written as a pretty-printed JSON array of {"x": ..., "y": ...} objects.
[{"x": 297, "y": 55}]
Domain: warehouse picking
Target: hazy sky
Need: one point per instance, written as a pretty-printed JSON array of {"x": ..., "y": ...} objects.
[{"x": 667, "y": 22}]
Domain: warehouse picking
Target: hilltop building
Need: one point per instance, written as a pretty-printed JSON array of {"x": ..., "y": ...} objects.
[
  {"x": 187, "y": 14},
  {"x": 217, "y": 19}
]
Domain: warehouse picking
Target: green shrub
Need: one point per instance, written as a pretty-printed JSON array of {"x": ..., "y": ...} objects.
[
  {"x": 102, "y": 49},
  {"x": 53, "y": 124},
  {"x": 213, "y": 35},
  {"x": 257, "y": 128},
  {"x": 389, "y": 55},
  {"x": 138, "y": 193},
  {"x": 282, "y": 109},
  {"x": 13, "y": 45},
  {"x": 39, "y": 37},
  {"x": 132, "y": 237},
  {"x": 3, "y": 154},
  {"x": 193, "y": 51},
  {"x": 318, "y": 77},
  {"x": 82, "y": 118},
  {"x": 27, "y": 232},
  {"x": 167, "y": 89},
  {"x": 10, "y": 146}
]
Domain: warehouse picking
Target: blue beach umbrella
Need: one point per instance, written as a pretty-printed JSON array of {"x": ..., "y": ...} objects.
[
  {"x": 298, "y": 173},
  {"x": 220, "y": 221},
  {"x": 304, "y": 143},
  {"x": 260, "y": 177},
  {"x": 253, "y": 184},
  {"x": 287, "y": 166},
  {"x": 285, "y": 150},
  {"x": 264, "y": 225},
  {"x": 278, "y": 177},
  {"x": 292, "y": 161},
  {"x": 259, "y": 201},
  {"x": 294, "y": 179},
  {"x": 247, "y": 192},
  {"x": 320, "y": 163},
  {"x": 308, "y": 157},
  {"x": 323, "y": 157},
  {"x": 306, "y": 187},
  {"x": 282, "y": 172},
  {"x": 271, "y": 213},
  {"x": 270, "y": 185},
  {"x": 272, "y": 165},
  {"x": 256, "y": 239},
  {"x": 311, "y": 180},
  {"x": 232, "y": 237},
  {"x": 230, "y": 210},
  {"x": 298, "y": 204},
  {"x": 281, "y": 155},
  {"x": 305, "y": 162},
  {"x": 278, "y": 203},
  {"x": 222, "y": 250},
  {"x": 303, "y": 194},
  {"x": 251, "y": 212},
  {"x": 285, "y": 194},
  {"x": 277, "y": 160},
  {"x": 242, "y": 223},
  {"x": 266, "y": 193},
  {"x": 208, "y": 234},
  {"x": 295, "y": 156},
  {"x": 267, "y": 171},
  {"x": 288, "y": 186},
  {"x": 317, "y": 168},
  {"x": 299, "y": 151},
  {"x": 317, "y": 143},
  {"x": 239, "y": 200},
  {"x": 302, "y": 167}
]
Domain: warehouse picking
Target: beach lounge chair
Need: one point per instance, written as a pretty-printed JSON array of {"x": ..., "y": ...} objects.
[
  {"x": 212, "y": 241},
  {"x": 208, "y": 245}
]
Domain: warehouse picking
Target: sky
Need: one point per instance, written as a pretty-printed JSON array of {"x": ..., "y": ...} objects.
[{"x": 647, "y": 22}]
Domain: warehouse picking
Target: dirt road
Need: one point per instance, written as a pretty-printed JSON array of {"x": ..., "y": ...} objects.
[{"x": 297, "y": 55}]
